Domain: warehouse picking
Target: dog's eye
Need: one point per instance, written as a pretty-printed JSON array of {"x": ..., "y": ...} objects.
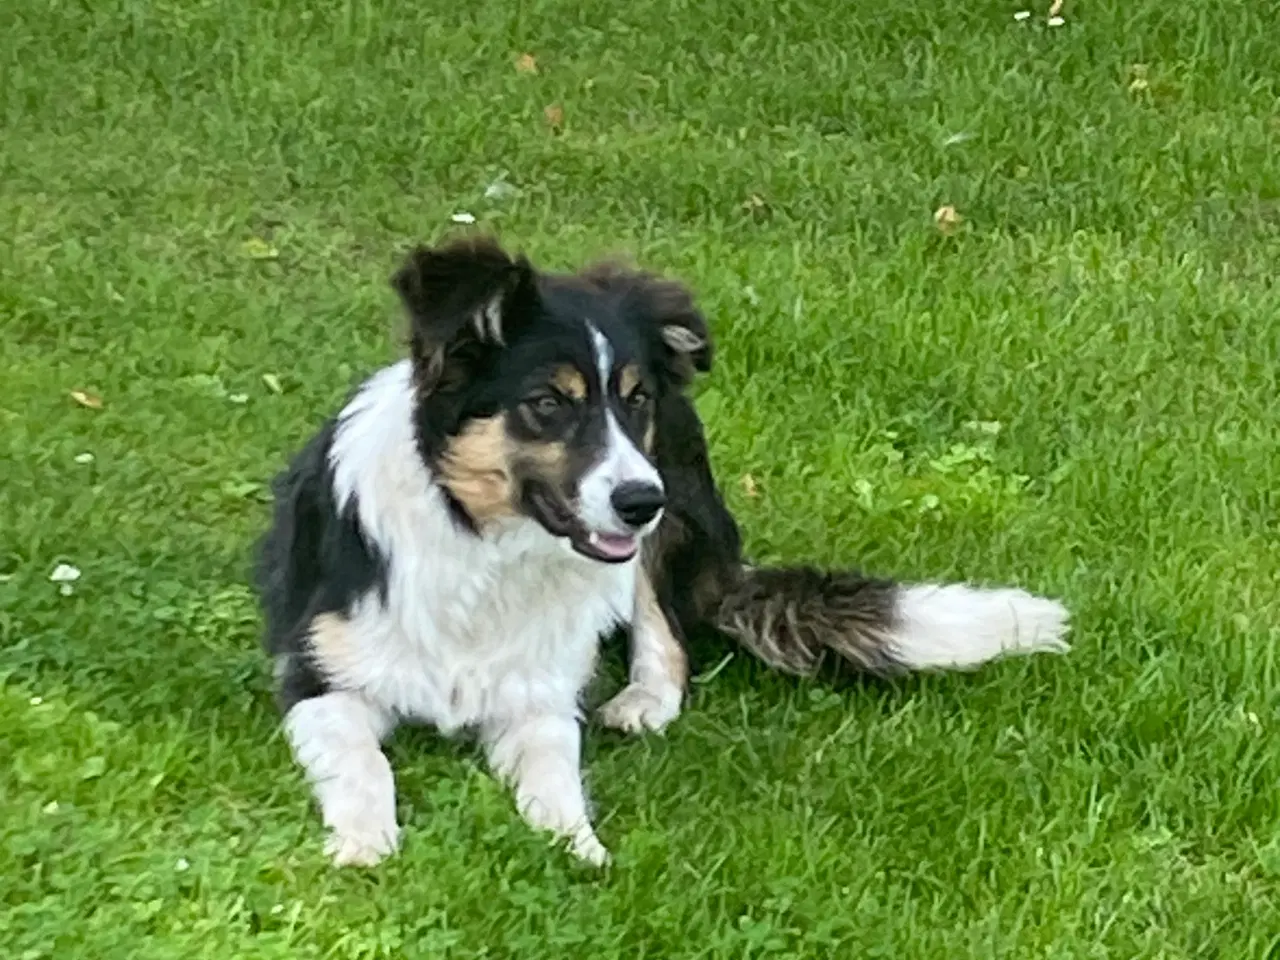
[
  {"x": 637, "y": 399},
  {"x": 545, "y": 404}
]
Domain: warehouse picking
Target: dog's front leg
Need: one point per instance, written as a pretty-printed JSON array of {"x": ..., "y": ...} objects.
[
  {"x": 658, "y": 671},
  {"x": 336, "y": 737},
  {"x": 540, "y": 756}
]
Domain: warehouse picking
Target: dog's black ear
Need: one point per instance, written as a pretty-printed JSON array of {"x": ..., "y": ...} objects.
[
  {"x": 683, "y": 329},
  {"x": 668, "y": 310},
  {"x": 463, "y": 300}
]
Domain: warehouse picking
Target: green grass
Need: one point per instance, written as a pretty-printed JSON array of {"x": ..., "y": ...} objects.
[{"x": 1109, "y": 302}]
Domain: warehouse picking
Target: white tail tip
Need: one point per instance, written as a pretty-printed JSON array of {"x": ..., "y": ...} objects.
[{"x": 960, "y": 627}]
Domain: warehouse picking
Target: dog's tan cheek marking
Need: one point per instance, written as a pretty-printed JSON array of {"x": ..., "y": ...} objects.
[
  {"x": 570, "y": 381},
  {"x": 547, "y": 461},
  {"x": 476, "y": 469},
  {"x": 650, "y": 432}
]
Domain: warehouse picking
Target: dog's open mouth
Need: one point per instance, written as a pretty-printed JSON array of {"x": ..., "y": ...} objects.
[
  {"x": 559, "y": 520},
  {"x": 607, "y": 547}
]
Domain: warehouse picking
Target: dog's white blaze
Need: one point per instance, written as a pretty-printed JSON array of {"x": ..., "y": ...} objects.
[
  {"x": 622, "y": 461},
  {"x": 603, "y": 350},
  {"x": 958, "y": 626}
]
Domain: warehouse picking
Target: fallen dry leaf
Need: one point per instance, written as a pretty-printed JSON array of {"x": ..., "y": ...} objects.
[
  {"x": 756, "y": 207},
  {"x": 749, "y": 486},
  {"x": 947, "y": 218},
  {"x": 90, "y": 400},
  {"x": 255, "y": 248},
  {"x": 525, "y": 63},
  {"x": 1139, "y": 81},
  {"x": 554, "y": 115}
]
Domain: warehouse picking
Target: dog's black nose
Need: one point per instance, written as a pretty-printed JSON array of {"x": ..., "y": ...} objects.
[{"x": 637, "y": 503}]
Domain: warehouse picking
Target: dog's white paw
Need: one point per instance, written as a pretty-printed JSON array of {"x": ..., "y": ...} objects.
[
  {"x": 362, "y": 848},
  {"x": 359, "y": 808},
  {"x": 636, "y": 709},
  {"x": 586, "y": 846}
]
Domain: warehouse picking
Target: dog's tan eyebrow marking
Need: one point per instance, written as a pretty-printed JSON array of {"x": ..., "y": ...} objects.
[
  {"x": 570, "y": 381},
  {"x": 628, "y": 379}
]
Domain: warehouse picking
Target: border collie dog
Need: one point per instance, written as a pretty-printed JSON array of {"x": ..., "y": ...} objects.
[{"x": 451, "y": 548}]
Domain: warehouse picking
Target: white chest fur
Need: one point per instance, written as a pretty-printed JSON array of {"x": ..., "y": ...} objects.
[{"x": 473, "y": 629}]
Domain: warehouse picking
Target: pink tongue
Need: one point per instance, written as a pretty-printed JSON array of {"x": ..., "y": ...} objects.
[{"x": 613, "y": 545}]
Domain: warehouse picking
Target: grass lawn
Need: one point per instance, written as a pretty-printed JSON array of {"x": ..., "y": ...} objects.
[{"x": 1073, "y": 390}]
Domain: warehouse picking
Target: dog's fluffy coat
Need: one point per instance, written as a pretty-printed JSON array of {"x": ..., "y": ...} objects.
[{"x": 451, "y": 548}]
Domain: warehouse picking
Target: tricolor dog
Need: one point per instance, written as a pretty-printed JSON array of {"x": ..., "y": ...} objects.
[{"x": 453, "y": 545}]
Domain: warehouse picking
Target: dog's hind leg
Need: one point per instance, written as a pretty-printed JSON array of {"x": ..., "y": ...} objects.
[{"x": 336, "y": 737}]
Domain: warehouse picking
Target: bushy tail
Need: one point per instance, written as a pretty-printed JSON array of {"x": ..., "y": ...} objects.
[{"x": 795, "y": 618}]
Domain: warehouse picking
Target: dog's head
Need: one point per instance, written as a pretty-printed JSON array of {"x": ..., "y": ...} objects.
[{"x": 537, "y": 392}]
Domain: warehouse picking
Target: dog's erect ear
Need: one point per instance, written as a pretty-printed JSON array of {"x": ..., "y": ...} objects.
[
  {"x": 668, "y": 309},
  {"x": 463, "y": 299}
]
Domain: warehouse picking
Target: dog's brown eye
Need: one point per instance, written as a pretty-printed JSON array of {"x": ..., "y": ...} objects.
[
  {"x": 545, "y": 404},
  {"x": 637, "y": 398}
]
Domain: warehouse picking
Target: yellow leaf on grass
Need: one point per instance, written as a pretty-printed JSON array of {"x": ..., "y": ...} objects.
[
  {"x": 554, "y": 115},
  {"x": 749, "y": 486},
  {"x": 525, "y": 63},
  {"x": 1140, "y": 80},
  {"x": 947, "y": 219},
  {"x": 85, "y": 399},
  {"x": 255, "y": 248}
]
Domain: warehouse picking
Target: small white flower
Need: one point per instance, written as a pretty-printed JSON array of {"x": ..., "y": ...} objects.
[
  {"x": 463, "y": 218},
  {"x": 1056, "y": 21},
  {"x": 36, "y": 701},
  {"x": 500, "y": 189},
  {"x": 1022, "y": 15},
  {"x": 65, "y": 573},
  {"x": 84, "y": 458},
  {"x": 277, "y": 908},
  {"x": 239, "y": 398},
  {"x": 183, "y": 865},
  {"x": 50, "y": 808}
]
